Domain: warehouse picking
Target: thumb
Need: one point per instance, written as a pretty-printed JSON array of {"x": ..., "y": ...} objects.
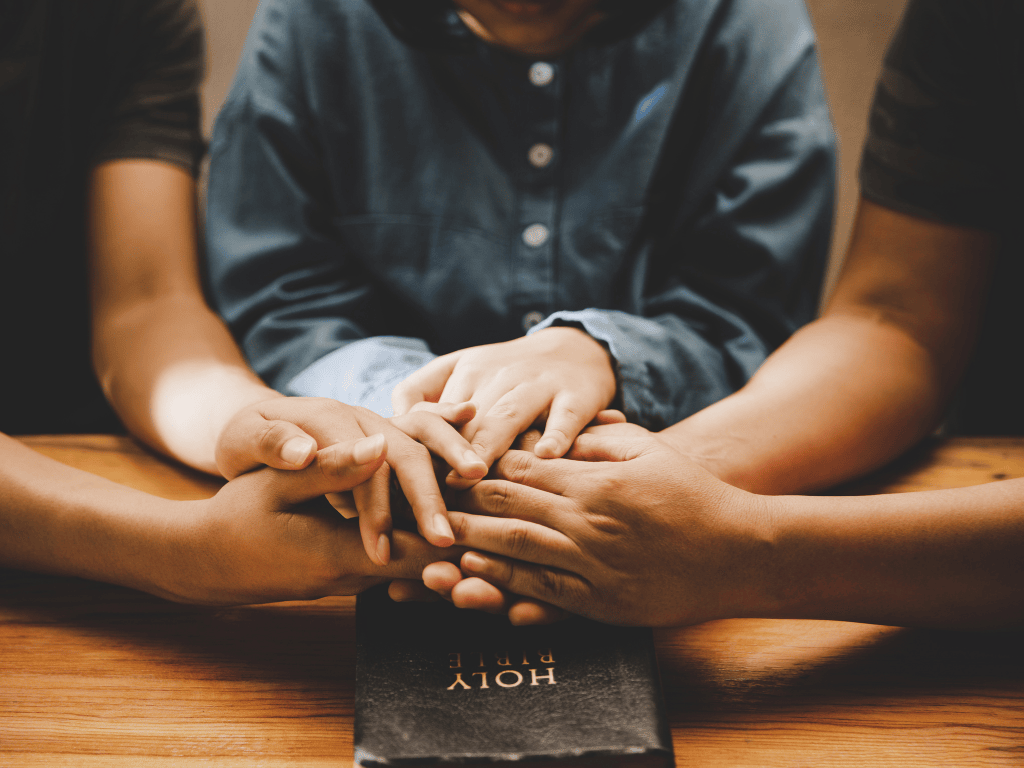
[
  {"x": 339, "y": 467},
  {"x": 255, "y": 441}
]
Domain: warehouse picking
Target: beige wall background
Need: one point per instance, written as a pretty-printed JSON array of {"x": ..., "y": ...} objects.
[{"x": 852, "y": 35}]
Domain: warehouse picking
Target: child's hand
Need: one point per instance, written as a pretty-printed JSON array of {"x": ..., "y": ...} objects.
[
  {"x": 260, "y": 434},
  {"x": 560, "y": 376}
]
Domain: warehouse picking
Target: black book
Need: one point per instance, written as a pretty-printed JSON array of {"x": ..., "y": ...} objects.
[{"x": 437, "y": 686}]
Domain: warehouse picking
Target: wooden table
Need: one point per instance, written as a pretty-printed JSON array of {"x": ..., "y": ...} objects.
[{"x": 94, "y": 675}]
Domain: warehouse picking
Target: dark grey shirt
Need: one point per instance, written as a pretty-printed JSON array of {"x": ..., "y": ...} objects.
[
  {"x": 666, "y": 185},
  {"x": 946, "y": 144},
  {"x": 80, "y": 83}
]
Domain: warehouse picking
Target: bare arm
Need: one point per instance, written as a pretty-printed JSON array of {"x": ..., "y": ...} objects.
[
  {"x": 872, "y": 376},
  {"x": 637, "y": 534},
  {"x": 264, "y": 537},
  {"x": 166, "y": 362}
]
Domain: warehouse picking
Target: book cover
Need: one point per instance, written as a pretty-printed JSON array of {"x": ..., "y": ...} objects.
[{"x": 437, "y": 686}]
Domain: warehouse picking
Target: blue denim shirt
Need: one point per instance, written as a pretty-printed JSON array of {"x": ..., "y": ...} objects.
[{"x": 374, "y": 203}]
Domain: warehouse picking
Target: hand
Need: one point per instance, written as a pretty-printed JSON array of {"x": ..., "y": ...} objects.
[
  {"x": 261, "y": 433},
  {"x": 559, "y": 375},
  {"x": 268, "y": 536},
  {"x": 440, "y": 579},
  {"x": 634, "y": 533}
]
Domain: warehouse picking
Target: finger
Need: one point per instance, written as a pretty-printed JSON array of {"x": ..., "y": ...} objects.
[
  {"x": 344, "y": 503},
  {"x": 520, "y": 539},
  {"x": 408, "y": 590},
  {"x": 567, "y": 417},
  {"x": 550, "y": 475},
  {"x": 442, "y": 439},
  {"x": 527, "y": 441},
  {"x": 410, "y": 554},
  {"x": 441, "y": 577},
  {"x": 339, "y": 467},
  {"x": 415, "y": 472},
  {"x": 512, "y": 414},
  {"x": 425, "y": 384},
  {"x": 558, "y": 588},
  {"x": 595, "y": 447},
  {"x": 525, "y": 612},
  {"x": 609, "y": 416},
  {"x": 373, "y": 502},
  {"x": 478, "y": 595},
  {"x": 267, "y": 442},
  {"x": 456, "y": 414},
  {"x": 412, "y": 465}
]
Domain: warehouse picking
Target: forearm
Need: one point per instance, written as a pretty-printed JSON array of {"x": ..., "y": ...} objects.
[
  {"x": 843, "y": 396},
  {"x": 174, "y": 374},
  {"x": 55, "y": 519},
  {"x": 940, "y": 558},
  {"x": 166, "y": 362}
]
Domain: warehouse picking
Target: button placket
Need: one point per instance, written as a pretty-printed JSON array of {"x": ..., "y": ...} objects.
[{"x": 541, "y": 107}]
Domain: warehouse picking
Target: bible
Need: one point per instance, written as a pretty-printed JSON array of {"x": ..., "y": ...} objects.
[{"x": 436, "y": 686}]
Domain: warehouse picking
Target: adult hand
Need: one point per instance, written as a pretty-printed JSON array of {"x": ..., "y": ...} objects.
[
  {"x": 262, "y": 433},
  {"x": 268, "y": 536},
  {"x": 634, "y": 533},
  {"x": 560, "y": 376}
]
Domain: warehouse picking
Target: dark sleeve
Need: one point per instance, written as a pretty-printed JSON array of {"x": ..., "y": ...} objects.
[
  {"x": 155, "y": 114},
  {"x": 755, "y": 252},
  {"x": 937, "y": 140}
]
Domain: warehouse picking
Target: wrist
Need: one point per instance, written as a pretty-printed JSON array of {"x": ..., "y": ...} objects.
[
  {"x": 755, "y": 588},
  {"x": 169, "y": 564},
  {"x": 574, "y": 337}
]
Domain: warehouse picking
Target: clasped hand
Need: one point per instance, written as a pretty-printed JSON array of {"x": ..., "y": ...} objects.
[
  {"x": 625, "y": 530},
  {"x": 287, "y": 432}
]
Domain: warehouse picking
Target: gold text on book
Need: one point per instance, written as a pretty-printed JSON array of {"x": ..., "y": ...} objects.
[{"x": 502, "y": 678}]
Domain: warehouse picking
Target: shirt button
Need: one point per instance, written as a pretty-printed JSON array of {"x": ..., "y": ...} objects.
[
  {"x": 531, "y": 319},
  {"x": 535, "y": 235},
  {"x": 540, "y": 155},
  {"x": 541, "y": 73}
]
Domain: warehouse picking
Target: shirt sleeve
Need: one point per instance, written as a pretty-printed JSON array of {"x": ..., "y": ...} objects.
[
  {"x": 155, "y": 113},
  {"x": 936, "y": 130},
  {"x": 747, "y": 271}
]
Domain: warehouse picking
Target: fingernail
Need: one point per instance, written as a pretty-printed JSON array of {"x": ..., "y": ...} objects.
[
  {"x": 473, "y": 562},
  {"x": 368, "y": 449},
  {"x": 547, "y": 446},
  {"x": 474, "y": 461},
  {"x": 297, "y": 450},
  {"x": 442, "y": 529},
  {"x": 383, "y": 549}
]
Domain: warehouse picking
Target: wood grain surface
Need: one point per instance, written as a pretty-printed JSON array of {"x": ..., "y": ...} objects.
[{"x": 95, "y": 675}]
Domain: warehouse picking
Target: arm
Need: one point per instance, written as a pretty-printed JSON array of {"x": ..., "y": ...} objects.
[
  {"x": 868, "y": 379},
  {"x": 709, "y": 550},
  {"x": 262, "y": 538},
  {"x": 166, "y": 362},
  {"x": 175, "y": 376}
]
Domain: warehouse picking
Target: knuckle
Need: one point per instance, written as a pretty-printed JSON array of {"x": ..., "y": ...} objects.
[
  {"x": 505, "y": 411},
  {"x": 503, "y": 498},
  {"x": 551, "y": 584},
  {"x": 515, "y": 467},
  {"x": 517, "y": 539},
  {"x": 458, "y": 524},
  {"x": 271, "y": 435}
]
